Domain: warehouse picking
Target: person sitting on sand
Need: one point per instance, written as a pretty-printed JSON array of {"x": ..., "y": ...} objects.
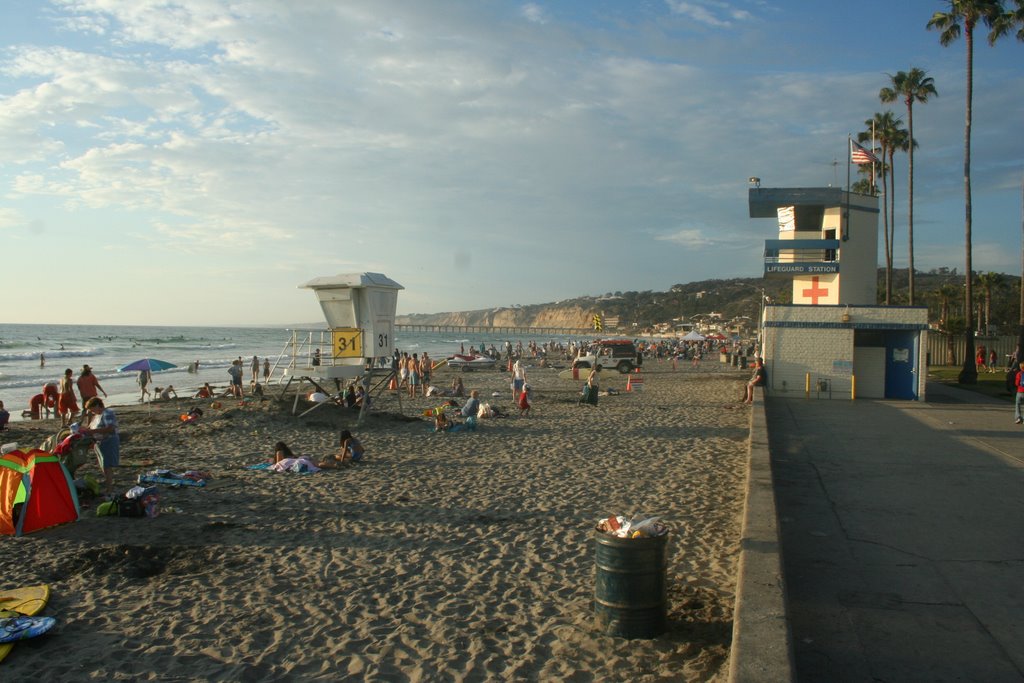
[
  {"x": 191, "y": 416},
  {"x": 205, "y": 391},
  {"x": 166, "y": 394},
  {"x": 457, "y": 388},
  {"x": 441, "y": 423},
  {"x": 350, "y": 451},
  {"x": 5, "y": 417},
  {"x": 362, "y": 398},
  {"x": 472, "y": 405}
]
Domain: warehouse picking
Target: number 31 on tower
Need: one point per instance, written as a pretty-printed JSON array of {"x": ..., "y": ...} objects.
[{"x": 348, "y": 342}]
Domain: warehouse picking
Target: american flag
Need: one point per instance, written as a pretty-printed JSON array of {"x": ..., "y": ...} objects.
[{"x": 859, "y": 155}]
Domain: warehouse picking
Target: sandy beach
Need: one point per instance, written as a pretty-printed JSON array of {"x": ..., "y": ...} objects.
[{"x": 463, "y": 556}]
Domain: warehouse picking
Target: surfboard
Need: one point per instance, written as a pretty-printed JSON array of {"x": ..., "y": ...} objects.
[
  {"x": 27, "y": 601},
  {"x": 19, "y": 628}
]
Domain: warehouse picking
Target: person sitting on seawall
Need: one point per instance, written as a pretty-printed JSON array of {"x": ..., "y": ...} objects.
[
  {"x": 103, "y": 428},
  {"x": 759, "y": 379},
  {"x": 5, "y": 417},
  {"x": 350, "y": 451}
]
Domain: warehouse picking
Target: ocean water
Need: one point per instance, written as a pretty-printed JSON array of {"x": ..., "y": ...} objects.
[{"x": 108, "y": 347}]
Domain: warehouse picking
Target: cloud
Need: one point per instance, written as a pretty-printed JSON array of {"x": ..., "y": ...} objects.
[
  {"x": 534, "y": 13},
  {"x": 709, "y": 12}
]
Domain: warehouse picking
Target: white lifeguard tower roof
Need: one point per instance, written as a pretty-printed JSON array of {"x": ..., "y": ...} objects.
[{"x": 351, "y": 280}]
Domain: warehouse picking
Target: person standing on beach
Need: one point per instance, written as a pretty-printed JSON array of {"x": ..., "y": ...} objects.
[
  {"x": 103, "y": 428},
  {"x": 425, "y": 371},
  {"x": 88, "y": 385},
  {"x": 266, "y": 370},
  {"x": 518, "y": 380},
  {"x": 143, "y": 380},
  {"x": 255, "y": 366},
  {"x": 236, "y": 373},
  {"x": 42, "y": 360},
  {"x": 67, "y": 406},
  {"x": 414, "y": 375}
]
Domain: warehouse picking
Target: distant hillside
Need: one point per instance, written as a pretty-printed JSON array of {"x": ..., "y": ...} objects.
[{"x": 636, "y": 311}]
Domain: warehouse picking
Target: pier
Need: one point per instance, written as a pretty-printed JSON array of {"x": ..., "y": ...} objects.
[{"x": 499, "y": 330}]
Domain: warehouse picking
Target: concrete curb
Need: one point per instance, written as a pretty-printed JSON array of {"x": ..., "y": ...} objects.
[{"x": 762, "y": 649}]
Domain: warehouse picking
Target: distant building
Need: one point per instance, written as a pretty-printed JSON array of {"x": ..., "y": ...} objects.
[{"x": 834, "y": 333}]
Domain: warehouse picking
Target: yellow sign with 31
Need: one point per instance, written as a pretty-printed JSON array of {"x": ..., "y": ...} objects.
[{"x": 347, "y": 342}]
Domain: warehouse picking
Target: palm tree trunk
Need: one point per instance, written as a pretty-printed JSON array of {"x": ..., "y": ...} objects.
[
  {"x": 885, "y": 234},
  {"x": 969, "y": 373},
  {"x": 892, "y": 217},
  {"x": 910, "y": 203}
]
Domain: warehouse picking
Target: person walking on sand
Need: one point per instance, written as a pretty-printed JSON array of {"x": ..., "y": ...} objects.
[
  {"x": 1018, "y": 403},
  {"x": 255, "y": 369},
  {"x": 524, "y": 402}
]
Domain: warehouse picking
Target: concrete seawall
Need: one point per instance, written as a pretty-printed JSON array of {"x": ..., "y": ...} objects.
[{"x": 761, "y": 649}]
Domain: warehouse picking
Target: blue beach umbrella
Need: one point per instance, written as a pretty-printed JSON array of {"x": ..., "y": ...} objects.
[{"x": 151, "y": 364}]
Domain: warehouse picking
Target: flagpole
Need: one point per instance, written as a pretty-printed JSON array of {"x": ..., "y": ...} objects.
[{"x": 846, "y": 213}]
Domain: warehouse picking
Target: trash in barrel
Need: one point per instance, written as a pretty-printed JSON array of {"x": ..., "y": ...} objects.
[{"x": 630, "y": 591}]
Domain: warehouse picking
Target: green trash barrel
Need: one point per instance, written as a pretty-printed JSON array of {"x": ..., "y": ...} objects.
[{"x": 630, "y": 592}]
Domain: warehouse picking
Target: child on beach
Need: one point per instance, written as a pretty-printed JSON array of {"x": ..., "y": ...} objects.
[
  {"x": 350, "y": 451},
  {"x": 524, "y": 401},
  {"x": 441, "y": 423}
]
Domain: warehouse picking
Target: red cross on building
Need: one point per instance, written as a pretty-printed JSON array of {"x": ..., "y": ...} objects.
[{"x": 815, "y": 292}]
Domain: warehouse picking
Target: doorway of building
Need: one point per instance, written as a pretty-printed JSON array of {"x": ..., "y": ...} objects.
[{"x": 900, "y": 365}]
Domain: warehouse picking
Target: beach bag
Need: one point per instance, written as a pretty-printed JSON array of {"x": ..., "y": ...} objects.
[{"x": 130, "y": 507}]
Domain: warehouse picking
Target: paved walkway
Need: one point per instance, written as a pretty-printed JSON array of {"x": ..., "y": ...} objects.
[{"x": 902, "y": 528}]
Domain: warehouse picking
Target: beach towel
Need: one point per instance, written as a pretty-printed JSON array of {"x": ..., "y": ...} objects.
[{"x": 298, "y": 465}]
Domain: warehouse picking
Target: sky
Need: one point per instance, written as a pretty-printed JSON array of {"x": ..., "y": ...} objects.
[{"x": 192, "y": 162}]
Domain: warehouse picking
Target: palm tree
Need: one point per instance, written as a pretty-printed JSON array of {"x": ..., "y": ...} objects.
[
  {"x": 968, "y": 13},
  {"x": 1014, "y": 18},
  {"x": 913, "y": 86},
  {"x": 946, "y": 294},
  {"x": 890, "y": 137},
  {"x": 988, "y": 282}
]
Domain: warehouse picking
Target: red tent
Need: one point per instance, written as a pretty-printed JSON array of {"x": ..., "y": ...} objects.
[{"x": 36, "y": 492}]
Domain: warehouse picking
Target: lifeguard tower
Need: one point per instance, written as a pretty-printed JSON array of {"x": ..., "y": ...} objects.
[
  {"x": 360, "y": 313},
  {"x": 834, "y": 340}
]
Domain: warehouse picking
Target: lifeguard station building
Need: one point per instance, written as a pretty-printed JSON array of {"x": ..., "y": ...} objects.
[{"x": 834, "y": 341}]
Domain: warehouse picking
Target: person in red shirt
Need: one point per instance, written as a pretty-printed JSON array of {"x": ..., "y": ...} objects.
[
  {"x": 88, "y": 385},
  {"x": 524, "y": 402}
]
